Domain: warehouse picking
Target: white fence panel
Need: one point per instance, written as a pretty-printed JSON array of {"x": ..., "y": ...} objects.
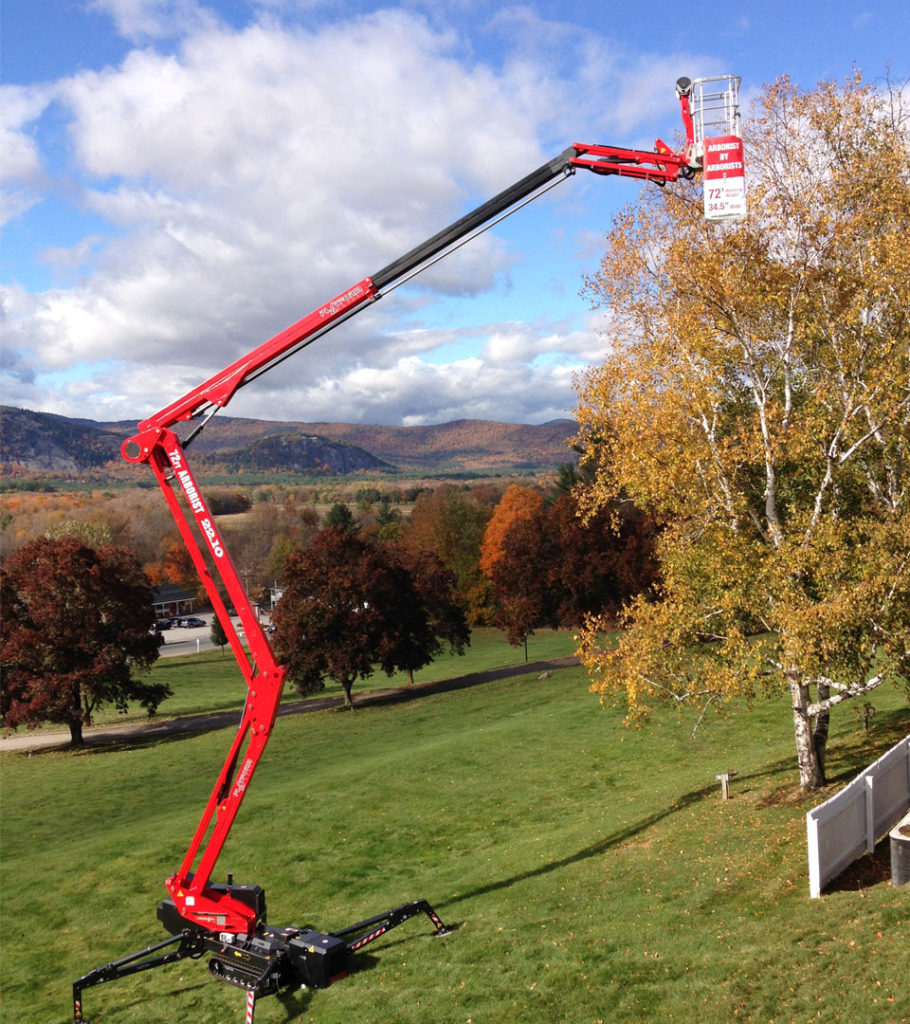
[{"x": 848, "y": 824}]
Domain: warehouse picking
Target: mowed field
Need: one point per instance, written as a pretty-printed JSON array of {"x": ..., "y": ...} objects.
[{"x": 594, "y": 871}]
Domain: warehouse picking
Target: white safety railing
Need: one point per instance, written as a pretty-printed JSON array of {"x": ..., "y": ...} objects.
[
  {"x": 715, "y": 109},
  {"x": 845, "y": 827}
]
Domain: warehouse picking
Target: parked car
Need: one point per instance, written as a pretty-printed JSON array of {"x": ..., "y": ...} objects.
[
  {"x": 162, "y": 624},
  {"x": 190, "y": 623}
]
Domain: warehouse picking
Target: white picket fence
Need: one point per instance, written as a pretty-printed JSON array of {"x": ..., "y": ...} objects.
[{"x": 848, "y": 824}]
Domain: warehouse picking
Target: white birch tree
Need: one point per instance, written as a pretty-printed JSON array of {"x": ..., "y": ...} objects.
[{"x": 756, "y": 399}]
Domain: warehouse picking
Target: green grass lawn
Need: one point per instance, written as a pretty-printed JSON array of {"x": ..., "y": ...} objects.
[{"x": 594, "y": 871}]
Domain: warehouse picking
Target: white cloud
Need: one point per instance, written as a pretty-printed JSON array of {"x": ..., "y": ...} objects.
[
  {"x": 414, "y": 392},
  {"x": 248, "y": 175},
  {"x": 21, "y": 171},
  {"x": 521, "y": 343},
  {"x": 142, "y": 20},
  {"x": 20, "y": 106}
]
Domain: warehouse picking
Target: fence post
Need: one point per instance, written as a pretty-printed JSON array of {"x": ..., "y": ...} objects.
[
  {"x": 870, "y": 814},
  {"x": 815, "y": 885}
]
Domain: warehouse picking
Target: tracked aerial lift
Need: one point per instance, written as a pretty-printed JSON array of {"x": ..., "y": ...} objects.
[{"x": 228, "y": 921}]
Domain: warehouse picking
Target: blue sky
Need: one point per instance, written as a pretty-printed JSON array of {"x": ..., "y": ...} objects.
[{"x": 182, "y": 179}]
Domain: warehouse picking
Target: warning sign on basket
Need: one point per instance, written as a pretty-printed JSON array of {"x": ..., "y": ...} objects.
[{"x": 724, "y": 178}]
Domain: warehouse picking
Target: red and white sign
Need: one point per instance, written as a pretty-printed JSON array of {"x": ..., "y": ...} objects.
[{"x": 724, "y": 178}]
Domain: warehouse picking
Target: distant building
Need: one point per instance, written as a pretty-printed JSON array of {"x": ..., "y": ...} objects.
[{"x": 170, "y": 601}]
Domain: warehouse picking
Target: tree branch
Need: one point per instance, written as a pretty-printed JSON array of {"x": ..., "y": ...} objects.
[
  {"x": 843, "y": 693},
  {"x": 701, "y": 717}
]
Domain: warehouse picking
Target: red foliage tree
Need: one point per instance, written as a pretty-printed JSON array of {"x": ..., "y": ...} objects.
[
  {"x": 602, "y": 561},
  {"x": 426, "y": 615},
  {"x": 174, "y": 565},
  {"x": 520, "y": 577},
  {"x": 76, "y": 622},
  {"x": 179, "y": 567},
  {"x": 350, "y": 605},
  {"x": 553, "y": 568},
  {"x": 329, "y": 619}
]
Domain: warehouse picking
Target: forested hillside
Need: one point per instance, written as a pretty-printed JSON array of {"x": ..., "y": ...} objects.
[{"x": 41, "y": 444}]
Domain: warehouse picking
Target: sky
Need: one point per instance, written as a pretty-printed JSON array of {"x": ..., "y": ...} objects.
[{"x": 182, "y": 179}]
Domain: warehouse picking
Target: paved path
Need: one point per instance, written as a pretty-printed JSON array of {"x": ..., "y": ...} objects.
[{"x": 223, "y": 719}]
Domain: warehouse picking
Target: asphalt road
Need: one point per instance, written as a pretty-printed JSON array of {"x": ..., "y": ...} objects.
[{"x": 150, "y": 729}]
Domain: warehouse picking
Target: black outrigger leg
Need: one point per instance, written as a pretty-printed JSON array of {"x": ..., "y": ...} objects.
[
  {"x": 382, "y": 923},
  {"x": 263, "y": 962},
  {"x": 190, "y": 945}
]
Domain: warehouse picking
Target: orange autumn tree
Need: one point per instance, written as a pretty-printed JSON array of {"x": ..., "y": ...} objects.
[
  {"x": 756, "y": 402},
  {"x": 515, "y": 538},
  {"x": 517, "y": 503}
]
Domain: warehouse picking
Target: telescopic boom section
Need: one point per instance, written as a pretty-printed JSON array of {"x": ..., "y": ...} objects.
[{"x": 200, "y": 903}]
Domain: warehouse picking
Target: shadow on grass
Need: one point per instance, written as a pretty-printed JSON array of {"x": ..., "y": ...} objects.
[
  {"x": 118, "y": 744},
  {"x": 871, "y": 869},
  {"x": 149, "y": 734},
  {"x": 139, "y": 1003},
  {"x": 848, "y": 755},
  {"x": 851, "y": 754},
  {"x": 295, "y": 1002},
  {"x": 616, "y": 839},
  {"x": 626, "y": 835}
]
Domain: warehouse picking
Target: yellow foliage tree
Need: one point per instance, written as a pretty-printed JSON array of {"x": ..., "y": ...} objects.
[{"x": 756, "y": 400}]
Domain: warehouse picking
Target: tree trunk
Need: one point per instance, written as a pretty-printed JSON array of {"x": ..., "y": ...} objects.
[
  {"x": 346, "y": 685},
  {"x": 811, "y": 775},
  {"x": 76, "y": 721},
  {"x": 820, "y": 734}
]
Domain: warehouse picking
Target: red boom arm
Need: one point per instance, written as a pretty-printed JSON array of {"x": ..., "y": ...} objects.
[{"x": 215, "y": 908}]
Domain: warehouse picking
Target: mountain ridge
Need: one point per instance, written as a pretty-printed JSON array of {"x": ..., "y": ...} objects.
[{"x": 36, "y": 443}]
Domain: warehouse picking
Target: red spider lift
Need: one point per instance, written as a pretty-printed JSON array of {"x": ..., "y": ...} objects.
[{"x": 225, "y": 920}]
